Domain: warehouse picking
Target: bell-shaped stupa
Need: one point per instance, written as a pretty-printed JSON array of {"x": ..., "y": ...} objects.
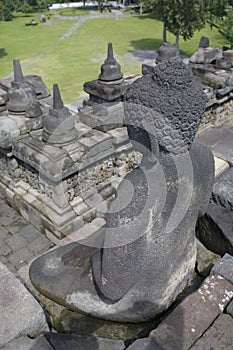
[
  {"x": 109, "y": 87},
  {"x": 59, "y": 125},
  {"x": 22, "y": 96}
]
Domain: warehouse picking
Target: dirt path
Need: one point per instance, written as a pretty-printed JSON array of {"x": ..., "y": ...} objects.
[{"x": 82, "y": 19}]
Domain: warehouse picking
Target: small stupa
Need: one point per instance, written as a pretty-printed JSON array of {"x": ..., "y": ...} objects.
[
  {"x": 22, "y": 96},
  {"x": 59, "y": 125},
  {"x": 109, "y": 87}
]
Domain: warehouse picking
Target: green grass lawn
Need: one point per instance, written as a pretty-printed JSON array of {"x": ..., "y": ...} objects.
[{"x": 72, "y": 61}]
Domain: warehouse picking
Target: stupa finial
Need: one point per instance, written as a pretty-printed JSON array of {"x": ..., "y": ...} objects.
[
  {"x": 57, "y": 100},
  {"x": 110, "y": 55},
  {"x": 18, "y": 74}
]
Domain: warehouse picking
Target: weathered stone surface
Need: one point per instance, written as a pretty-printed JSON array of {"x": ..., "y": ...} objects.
[
  {"x": 206, "y": 55},
  {"x": 222, "y": 63},
  {"x": 20, "y": 312},
  {"x": 9, "y": 131},
  {"x": 74, "y": 341},
  {"x": 224, "y": 267},
  {"x": 215, "y": 229},
  {"x": 223, "y": 189},
  {"x": 204, "y": 42},
  {"x": 228, "y": 54},
  {"x": 220, "y": 166},
  {"x": 167, "y": 51},
  {"x": 144, "y": 344},
  {"x": 219, "y": 139},
  {"x": 205, "y": 259},
  {"x": 110, "y": 84},
  {"x": 66, "y": 321},
  {"x": 59, "y": 125},
  {"x": 113, "y": 275},
  {"x": 190, "y": 319},
  {"x": 25, "y": 343},
  {"x": 21, "y": 94},
  {"x": 229, "y": 309},
  {"x": 110, "y": 69},
  {"x": 219, "y": 336}
]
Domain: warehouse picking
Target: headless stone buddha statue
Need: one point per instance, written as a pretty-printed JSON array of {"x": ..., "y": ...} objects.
[{"x": 134, "y": 268}]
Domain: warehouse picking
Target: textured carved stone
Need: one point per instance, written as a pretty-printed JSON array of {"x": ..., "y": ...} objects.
[
  {"x": 110, "y": 84},
  {"x": 166, "y": 52},
  {"x": 59, "y": 126},
  {"x": 134, "y": 268},
  {"x": 111, "y": 70},
  {"x": 22, "y": 96}
]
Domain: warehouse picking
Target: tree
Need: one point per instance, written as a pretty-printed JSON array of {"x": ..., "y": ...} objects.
[
  {"x": 185, "y": 17},
  {"x": 5, "y": 13},
  {"x": 227, "y": 27},
  {"x": 180, "y": 17},
  {"x": 215, "y": 9}
]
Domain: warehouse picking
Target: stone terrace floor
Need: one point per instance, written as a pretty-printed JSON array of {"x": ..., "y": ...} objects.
[{"x": 20, "y": 242}]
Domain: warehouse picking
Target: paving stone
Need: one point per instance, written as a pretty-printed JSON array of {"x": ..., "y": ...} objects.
[
  {"x": 5, "y": 250},
  {"x": 16, "y": 242},
  {"x": 40, "y": 244},
  {"x": 16, "y": 226},
  {"x": 25, "y": 343},
  {"x": 190, "y": 319},
  {"x": 8, "y": 218},
  {"x": 30, "y": 233},
  {"x": 144, "y": 344},
  {"x": 229, "y": 308},
  {"x": 218, "y": 337},
  {"x": 3, "y": 233},
  {"x": 74, "y": 341},
  {"x": 20, "y": 313},
  {"x": 224, "y": 267},
  {"x": 3, "y": 260},
  {"x": 20, "y": 257},
  {"x": 11, "y": 267}
]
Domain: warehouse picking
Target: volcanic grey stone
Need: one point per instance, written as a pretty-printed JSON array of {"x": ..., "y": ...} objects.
[
  {"x": 223, "y": 64},
  {"x": 77, "y": 342},
  {"x": 206, "y": 55},
  {"x": 59, "y": 125},
  {"x": 166, "y": 52},
  {"x": 113, "y": 274},
  {"x": 20, "y": 312},
  {"x": 224, "y": 267},
  {"x": 190, "y": 319},
  {"x": 215, "y": 229},
  {"x": 21, "y": 94},
  {"x": 25, "y": 343},
  {"x": 204, "y": 42},
  {"x": 205, "y": 259},
  {"x": 144, "y": 344},
  {"x": 220, "y": 93},
  {"x": 219, "y": 139},
  {"x": 229, "y": 309},
  {"x": 110, "y": 69},
  {"x": 110, "y": 84},
  {"x": 219, "y": 336},
  {"x": 9, "y": 130},
  {"x": 223, "y": 189}
]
